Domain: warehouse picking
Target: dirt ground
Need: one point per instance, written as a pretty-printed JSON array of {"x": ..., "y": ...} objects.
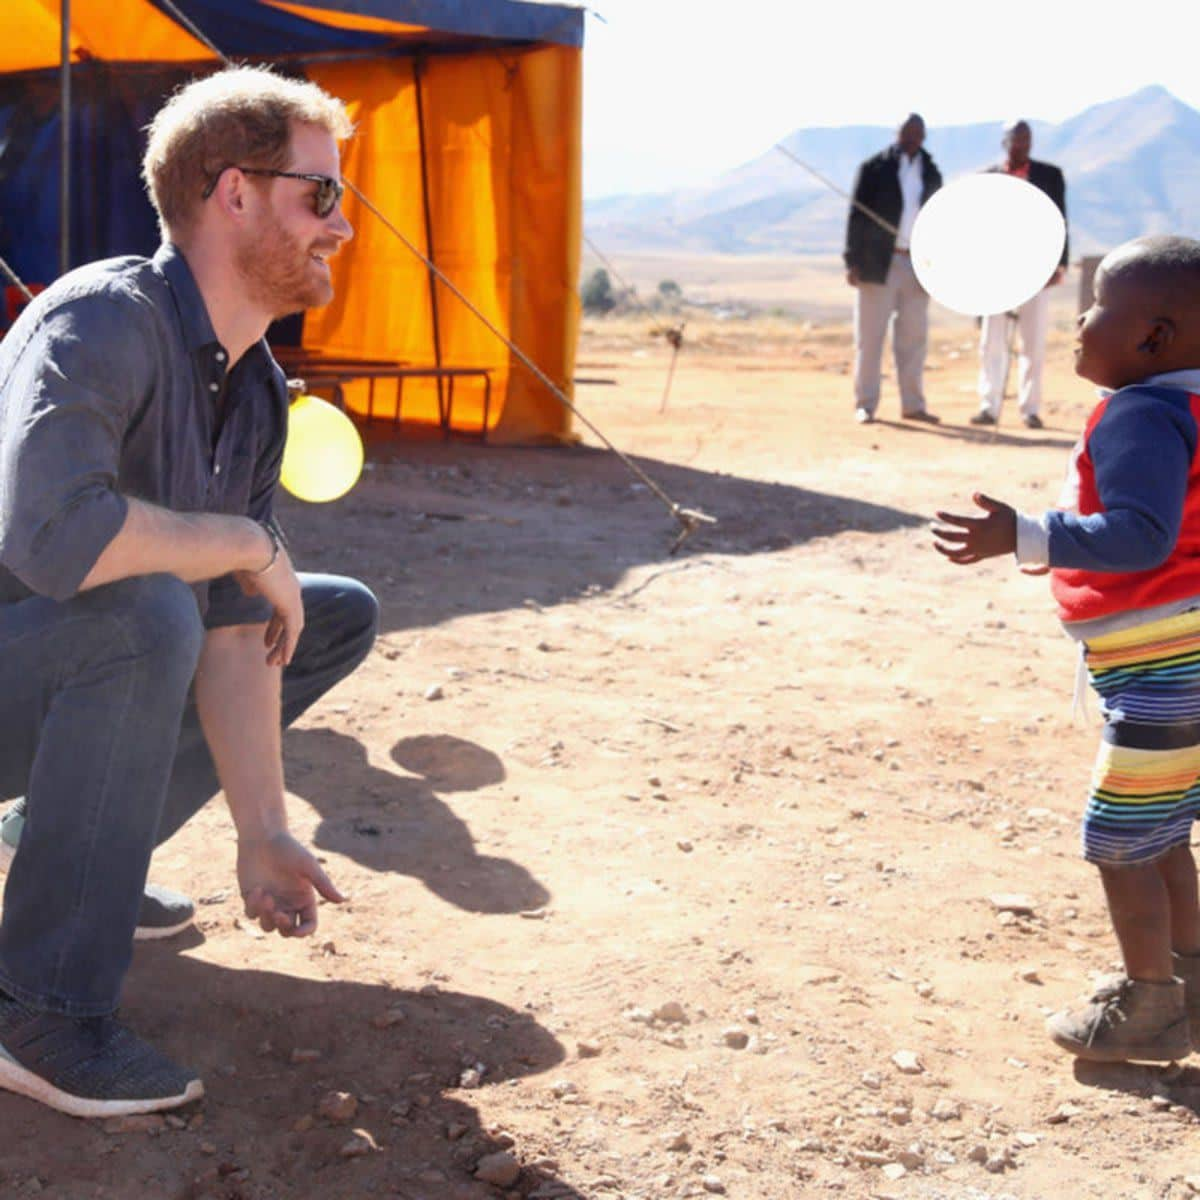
[{"x": 671, "y": 875}]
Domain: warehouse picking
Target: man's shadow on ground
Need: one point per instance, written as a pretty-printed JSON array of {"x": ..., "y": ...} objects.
[
  {"x": 269, "y": 1046},
  {"x": 398, "y": 823}
]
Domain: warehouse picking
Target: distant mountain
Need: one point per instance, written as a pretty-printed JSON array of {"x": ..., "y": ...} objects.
[{"x": 1132, "y": 167}]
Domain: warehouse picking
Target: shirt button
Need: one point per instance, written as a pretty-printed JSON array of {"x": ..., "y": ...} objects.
[
  {"x": 220, "y": 356},
  {"x": 214, "y": 387},
  {"x": 217, "y": 469}
]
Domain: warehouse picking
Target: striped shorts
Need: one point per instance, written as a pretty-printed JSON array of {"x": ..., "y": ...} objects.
[{"x": 1145, "y": 789}]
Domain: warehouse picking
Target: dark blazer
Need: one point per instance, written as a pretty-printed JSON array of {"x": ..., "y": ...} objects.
[
  {"x": 877, "y": 186},
  {"x": 1050, "y": 179}
]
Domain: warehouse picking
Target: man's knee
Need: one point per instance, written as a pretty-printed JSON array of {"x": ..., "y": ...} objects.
[
  {"x": 158, "y": 620},
  {"x": 361, "y": 618}
]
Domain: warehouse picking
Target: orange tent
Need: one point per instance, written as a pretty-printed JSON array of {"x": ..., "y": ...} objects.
[{"x": 468, "y": 140}]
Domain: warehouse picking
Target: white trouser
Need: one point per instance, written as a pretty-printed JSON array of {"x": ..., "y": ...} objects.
[
  {"x": 1033, "y": 319},
  {"x": 874, "y": 304}
]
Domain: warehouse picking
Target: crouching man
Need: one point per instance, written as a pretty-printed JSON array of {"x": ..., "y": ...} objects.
[{"x": 154, "y": 636}]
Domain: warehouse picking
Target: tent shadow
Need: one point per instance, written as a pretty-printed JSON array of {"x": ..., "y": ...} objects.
[
  {"x": 443, "y": 530},
  {"x": 398, "y": 824},
  {"x": 269, "y": 1046}
]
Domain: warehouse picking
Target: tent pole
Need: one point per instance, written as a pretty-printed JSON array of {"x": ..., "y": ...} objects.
[
  {"x": 64, "y": 116},
  {"x": 418, "y": 71}
]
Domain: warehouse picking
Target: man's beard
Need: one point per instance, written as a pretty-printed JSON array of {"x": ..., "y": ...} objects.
[{"x": 280, "y": 274}]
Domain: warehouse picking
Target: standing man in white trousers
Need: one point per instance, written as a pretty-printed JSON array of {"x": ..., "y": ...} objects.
[{"x": 1033, "y": 317}]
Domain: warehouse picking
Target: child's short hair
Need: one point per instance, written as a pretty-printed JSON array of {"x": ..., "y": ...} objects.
[
  {"x": 1167, "y": 263},
  {"x": 238, "y": 117}
]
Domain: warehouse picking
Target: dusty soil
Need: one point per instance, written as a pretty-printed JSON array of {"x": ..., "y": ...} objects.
[{"x": 671, "y": 875}]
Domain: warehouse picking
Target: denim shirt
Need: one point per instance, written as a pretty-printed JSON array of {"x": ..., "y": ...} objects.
[{"x": 110, "y": 383}]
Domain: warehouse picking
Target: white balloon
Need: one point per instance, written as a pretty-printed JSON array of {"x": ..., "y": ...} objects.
[{"x": 986, "y": 243}]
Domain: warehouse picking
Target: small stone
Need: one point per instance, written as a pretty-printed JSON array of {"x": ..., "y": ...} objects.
[
  {"x": 999, "y": 1161},
  {"x": 735, "y": 1037},
  {"x": 434, "y": 692},
  {"x": 946, "y": 1109},
  {"x": 912, "y": 1159},
  {"x": 907, "y": 1063},
  {"x": 339, "y": 1108},
  {"x": 563, "y": 1087},
  {"x": 393, "y": 1016},
  {"x": 899, "y": 1115},
  {"x": 712, "y": 1183},
  {"x": 924, "y": 990},
  {"x": 303, "y": 1124},
  {"x": 1193, "y": 1182},
  {"x": 500, "y": 1169},
  {"x": 676, "y": 1141},
  {"x": 455, "y": 1130},
  {"x": 1012, "y": 902},
  {"x": 588, "y": 1049},
  {"x": 302, "y": 1055},
  {"x": 978, "y": 1153},
  {"x": 1029, "y": 974},
  {"x": 1064, "y": 1112},
  {"x": 360, "y": 1143},
  {"x": 894, "y": 1171},
  {"x": 871, "y": 1158},
  {"x": 1028, "y": 1140},
  {"x": 685, "y": 845},
  {"x": 870, "y": 1079},
  {"x": 472, "y": 1077},
  {"x": 671, "y": 1012}
]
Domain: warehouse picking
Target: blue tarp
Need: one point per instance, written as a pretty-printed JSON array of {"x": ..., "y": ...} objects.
[{"x": 242, "y": 28}]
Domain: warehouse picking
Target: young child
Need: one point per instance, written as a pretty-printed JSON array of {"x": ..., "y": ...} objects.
[{"x": 1124, "y": 558}]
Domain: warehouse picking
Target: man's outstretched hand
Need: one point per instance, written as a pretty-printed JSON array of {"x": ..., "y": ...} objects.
[
  {"x": 967, "y": 540},
  {"x": 280, "y": 880}
]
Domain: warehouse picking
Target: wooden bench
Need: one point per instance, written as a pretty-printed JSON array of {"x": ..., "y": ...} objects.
[{"x": 334, "y": 372}]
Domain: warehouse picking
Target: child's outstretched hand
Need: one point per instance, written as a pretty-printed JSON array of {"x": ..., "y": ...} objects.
[{"x": 967, "y": 540}]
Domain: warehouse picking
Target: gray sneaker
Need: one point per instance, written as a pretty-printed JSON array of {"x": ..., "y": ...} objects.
[
  {"x": 87, "y": 1068},
  {"x": 163, "y": 913},
  {"x": 1126, "y": 1020}
]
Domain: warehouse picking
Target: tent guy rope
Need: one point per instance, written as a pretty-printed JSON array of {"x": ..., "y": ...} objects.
[
  {"x": 688, "y": 519},
  {"x": 17, "y": 281},
  {"x": 833, "y": 187}
]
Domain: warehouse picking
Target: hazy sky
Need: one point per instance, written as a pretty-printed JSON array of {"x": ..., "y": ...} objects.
[{"x": 676, "y": 91}]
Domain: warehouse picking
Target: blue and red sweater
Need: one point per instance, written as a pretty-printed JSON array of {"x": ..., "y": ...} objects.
[{"x": 1127, "y": 535}]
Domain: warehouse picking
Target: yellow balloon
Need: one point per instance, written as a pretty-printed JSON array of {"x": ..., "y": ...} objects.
[{"x": 323, "y": 455}]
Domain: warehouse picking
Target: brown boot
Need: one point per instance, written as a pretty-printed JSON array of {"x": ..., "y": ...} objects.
[
  {"x": 1187, "y": 968},
  {"x": 1126, "y": 1019}
]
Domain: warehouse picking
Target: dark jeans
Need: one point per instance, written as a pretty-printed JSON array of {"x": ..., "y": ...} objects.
[{"x": 100, "y": 733}]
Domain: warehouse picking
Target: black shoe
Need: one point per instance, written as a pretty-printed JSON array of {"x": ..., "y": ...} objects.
[
  {"x": 983, "y": 418},
  {"x": 94, "y": 1067},
  {"x": 924, "y": 417},
  {"x": 163, "y": 913},
  {"x": 1033, "y": 421}
]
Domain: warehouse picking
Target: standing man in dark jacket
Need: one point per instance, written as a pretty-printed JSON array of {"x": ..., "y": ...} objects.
[
  {"x": 888, "y": 192},
  {"x": 1033, "y": 317}
]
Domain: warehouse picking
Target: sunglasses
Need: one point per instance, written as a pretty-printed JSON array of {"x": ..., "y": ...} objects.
[{"x": 325, "y": 199}]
